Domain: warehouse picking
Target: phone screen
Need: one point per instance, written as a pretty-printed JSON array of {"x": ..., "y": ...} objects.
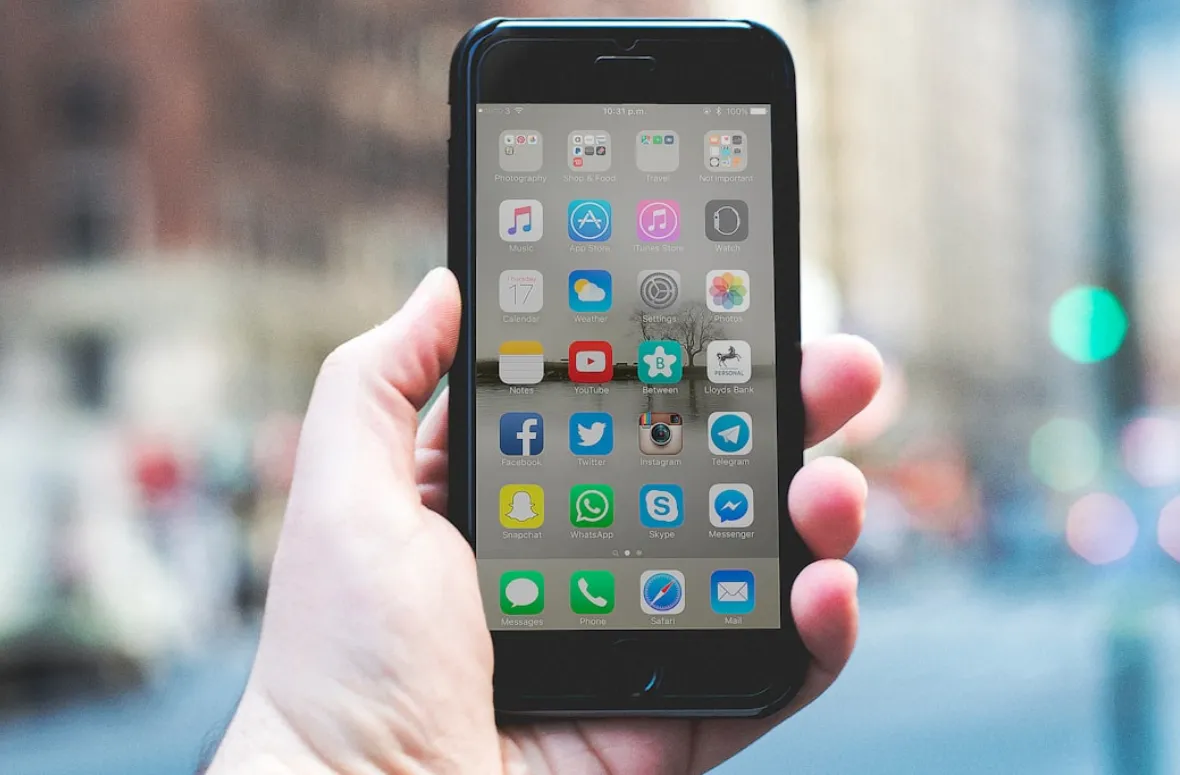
[{"x": 626, "y": 461}]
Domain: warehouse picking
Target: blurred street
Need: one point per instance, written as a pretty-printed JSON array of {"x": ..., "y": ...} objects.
[
  {"x": 947, "y": 678},
  {"x": 202, "y": 199}
]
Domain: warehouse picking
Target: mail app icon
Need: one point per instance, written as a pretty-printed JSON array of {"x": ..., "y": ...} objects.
[{"x": 732, "y": 592}]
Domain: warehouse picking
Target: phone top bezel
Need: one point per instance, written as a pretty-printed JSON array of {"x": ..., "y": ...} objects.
[{"x": 565, "y": 673}]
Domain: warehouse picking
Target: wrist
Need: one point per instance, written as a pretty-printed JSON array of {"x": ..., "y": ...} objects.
[{"x": 260, "y": 741}]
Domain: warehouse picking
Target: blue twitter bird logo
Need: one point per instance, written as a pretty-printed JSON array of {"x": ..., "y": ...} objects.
[{"x": 592, "y": 433}]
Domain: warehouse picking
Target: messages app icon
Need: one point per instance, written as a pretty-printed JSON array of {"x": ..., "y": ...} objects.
[
  {"x": 522, "y": 593},
  {"x": 661, "y": 505},
  {"x": 592, "y": 433}
]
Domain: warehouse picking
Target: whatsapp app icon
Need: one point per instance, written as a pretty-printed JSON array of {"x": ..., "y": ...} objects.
[{"x": 592, "y": 505}]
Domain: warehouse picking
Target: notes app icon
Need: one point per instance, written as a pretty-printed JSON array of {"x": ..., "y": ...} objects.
[
  {"x": 521, "y": 220},
  {"x": 521, "y": 363}
]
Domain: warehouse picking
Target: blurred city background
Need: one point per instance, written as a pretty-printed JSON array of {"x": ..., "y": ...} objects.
[{"x": 200, "y": 198}]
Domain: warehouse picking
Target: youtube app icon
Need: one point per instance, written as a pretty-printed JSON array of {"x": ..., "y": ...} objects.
[{"x": 591, "y": 362}]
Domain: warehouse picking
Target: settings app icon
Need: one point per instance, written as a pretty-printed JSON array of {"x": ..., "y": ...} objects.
[{"x": 659, "y": 289}]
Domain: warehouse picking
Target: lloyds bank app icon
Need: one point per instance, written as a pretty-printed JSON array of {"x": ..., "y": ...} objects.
[{"x": 589, "y": 220}]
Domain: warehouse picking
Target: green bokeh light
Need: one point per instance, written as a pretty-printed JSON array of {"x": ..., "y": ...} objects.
[
  {"x": 1065, "y": 454},
  {"x": 1088, "y": 324}
]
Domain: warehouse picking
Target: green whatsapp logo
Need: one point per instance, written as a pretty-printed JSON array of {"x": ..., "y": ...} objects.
[{"x": 592, "y": 505}]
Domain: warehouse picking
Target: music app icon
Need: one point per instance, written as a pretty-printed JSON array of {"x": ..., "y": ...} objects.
[
  {"x": 521, "y": 220},
  {"x": 657, "y": 220}
]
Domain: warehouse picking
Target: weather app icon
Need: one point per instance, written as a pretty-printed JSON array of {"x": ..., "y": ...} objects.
[
  {"x": 731, "y": 505},
  {"x": 589, "y": 220},
  {"x": 730, "y": 434},
  {"x": 592, "y": 433},
  {"x": 590, "y": 290}
]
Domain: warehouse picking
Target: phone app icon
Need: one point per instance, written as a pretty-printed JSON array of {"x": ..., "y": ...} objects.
[
  {"x": 661, "y": 505},
  {"x": 657, "y": 150},
  {"x": 522, "y": 592},
  {"x": 731, "y": 592},
  {"x": 661, "y": 433},
  {"x": 522, "y": 434},
  {"x": 522, "y": 506},
  {"x": 592, "y": 505},
  {"x": 592, "y": 433},
  {"x": 661, "y": 592},
  {"x": 591, "y": 362},
  {"x": 657, "y": 220},
  {"x": 659, "y": 289},
  {"x": 589, "y": 220},
  {"x": 520, "y": 150},
  {"x": 589, "y": 150},
  {"x": 661, "y": 361},
  {"x": 731, "y": 505},
  {"x": 521, "y": 220},
  {"x": 730, "y": 433},
  {"x": 590, "y": 290},
  {"x": 727, "y": 290},
  {"x": 592, "y": 592},
  {"x": 727, "y": 220},
  {"x": 521, "y": 363},
  {"x": 729, "y": 361},
  {"x": 521, "y": 290},
  {"x": 726, "y": 149}
]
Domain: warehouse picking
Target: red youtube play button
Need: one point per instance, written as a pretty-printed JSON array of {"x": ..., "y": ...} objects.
[{"x": 591, "y": 362}]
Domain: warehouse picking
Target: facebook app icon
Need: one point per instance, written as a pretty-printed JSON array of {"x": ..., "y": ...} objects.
[{"x": 522, "y": 434}]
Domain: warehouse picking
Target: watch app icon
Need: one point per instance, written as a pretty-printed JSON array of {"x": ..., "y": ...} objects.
[{"x": 727, "y": 220}]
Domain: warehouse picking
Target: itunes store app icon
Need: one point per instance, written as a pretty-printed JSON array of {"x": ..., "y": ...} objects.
[{"x": 657, "y": 220}]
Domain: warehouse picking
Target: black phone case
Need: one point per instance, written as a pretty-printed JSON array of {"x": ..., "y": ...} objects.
[{"x": 460, "y": 251}]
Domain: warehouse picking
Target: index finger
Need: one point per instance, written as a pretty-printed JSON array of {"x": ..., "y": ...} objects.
[{"x": 840, "y": 374}]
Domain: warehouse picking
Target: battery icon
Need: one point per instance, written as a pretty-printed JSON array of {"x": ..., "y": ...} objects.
[{"x": 758, "y": 111}]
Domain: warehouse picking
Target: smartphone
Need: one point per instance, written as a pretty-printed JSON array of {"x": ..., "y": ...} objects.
[{"x": 625, "y": 405}]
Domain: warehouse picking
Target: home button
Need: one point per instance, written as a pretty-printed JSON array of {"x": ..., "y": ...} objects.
[{"x": 635, "y": 673}]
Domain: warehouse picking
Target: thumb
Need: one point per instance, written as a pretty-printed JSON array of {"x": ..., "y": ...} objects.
[{"x": 363, "y": 414}]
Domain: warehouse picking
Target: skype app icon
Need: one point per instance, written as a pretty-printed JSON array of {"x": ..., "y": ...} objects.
[{"x": 661, "y": 505}]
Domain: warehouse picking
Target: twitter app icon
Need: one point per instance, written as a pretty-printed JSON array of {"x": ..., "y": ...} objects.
[{"x": 592, "y": 433}]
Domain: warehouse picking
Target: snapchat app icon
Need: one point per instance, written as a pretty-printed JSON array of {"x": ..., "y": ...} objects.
[{"x": 522, "y": 506}]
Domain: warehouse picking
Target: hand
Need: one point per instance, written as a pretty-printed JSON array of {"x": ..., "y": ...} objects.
[{"x": 375, "y": 655}]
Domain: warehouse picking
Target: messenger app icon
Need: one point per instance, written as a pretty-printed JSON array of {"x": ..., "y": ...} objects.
[{"x": 731, "y": 505}]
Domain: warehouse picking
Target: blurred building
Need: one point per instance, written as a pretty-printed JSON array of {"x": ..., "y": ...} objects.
[{"x": 200, "y": 199}]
